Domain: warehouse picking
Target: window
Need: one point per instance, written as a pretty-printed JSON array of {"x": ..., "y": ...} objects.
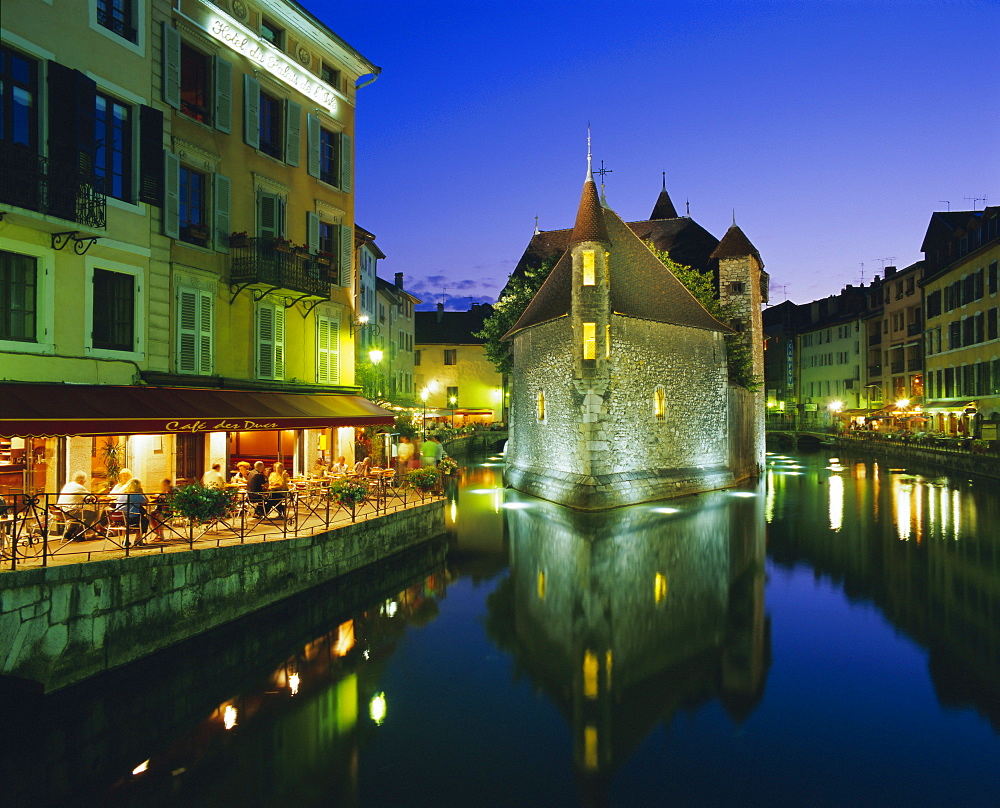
[
  {"x": 18, "y": 99},
  {"x": 194, "y": 331},
  {"x": 330, "y": 75},
  {"x": 329, "y": 157},
  {"x": 18, "y": 297},
  {"x": 113, "y": 311},
  {"x": 933, "y": 304},
  {"x": 991, "y": 323},
  {"x": 327, "y": 350},
  {"x": 272, "y": 33},
  {"x": 113, "y": 147},
  {"x": 737, "y": 287},
  {"x": 451, "y": 356},
  {"x": 270, "y": 126},
  {"x": 270, "y": 341},
  {"x": 195, "y": 87},
  {"x": 540, "y": 406},
  {"x": 659, "y": 404},
  {"x": 416, "y": 358},
  {"x": 193, "y": 221},
  {"x": 117, "y": 16},
  {"x": 587, "y": 257},
  {"x": 589, "y": 341},
  {"x": 977, "y": 285}
]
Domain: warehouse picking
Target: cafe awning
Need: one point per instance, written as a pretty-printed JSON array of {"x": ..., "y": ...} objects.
[{"x": 50, "y": 410}]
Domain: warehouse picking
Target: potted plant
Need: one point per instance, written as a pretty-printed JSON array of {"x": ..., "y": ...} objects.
[
  {"x": 200, "y": 503},
  {"x": 324, "y": 258},
  {"x": 348, "y": 494},
  {"x": 447, "y": 466},
  {"x": 238, "y": 239},
  {"x": 198, "y": 231},
  {"x": 423, "y": 480},
  {"x": 282, "y": 244},
  {"x": 301, "y": 250}
]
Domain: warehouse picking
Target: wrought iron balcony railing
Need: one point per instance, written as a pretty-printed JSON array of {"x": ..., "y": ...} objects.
[
  {"x": 265, "y": 261},
  {"x": 33, "y": 182}
]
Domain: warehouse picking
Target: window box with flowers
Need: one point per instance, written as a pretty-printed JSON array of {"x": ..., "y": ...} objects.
[
  {"x": 348, "y": 494},
  {"x": 239, "y": 239},
  {"x": 324, "y": 258},
  {"x": 282, "y": 245}
]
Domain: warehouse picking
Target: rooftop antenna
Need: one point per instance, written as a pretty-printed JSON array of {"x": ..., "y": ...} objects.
[
  {"x": 862, "y": 272},
  {"x": 946, "y": 202},
  {"x": 537, "y": 231},
  {"x": 975, "y": 200},
  {"x": 687, "y": 208},
  {"x": 784, "y": 289},
  {"x": 882, "y": 261}
]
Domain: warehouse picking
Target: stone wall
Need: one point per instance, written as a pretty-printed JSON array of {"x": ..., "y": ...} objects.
[
  {"x": 600, "y": 445},
  {"x": 60, "y": 625}
]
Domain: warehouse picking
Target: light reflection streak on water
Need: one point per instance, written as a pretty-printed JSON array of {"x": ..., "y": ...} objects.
[
  {"x": 769, "y": 498},
  {"x": 956, "y": 501},
  {"x": 902, "y": 491},
  {"x": 835, "y": 486}
]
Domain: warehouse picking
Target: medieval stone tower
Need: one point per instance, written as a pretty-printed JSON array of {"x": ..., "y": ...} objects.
[{"x": 620, "y": 392}]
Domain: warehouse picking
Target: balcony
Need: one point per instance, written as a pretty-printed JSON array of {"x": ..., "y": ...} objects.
[
  {"x": 270, "y": 266},
  {"x": 33, "y": 182}
]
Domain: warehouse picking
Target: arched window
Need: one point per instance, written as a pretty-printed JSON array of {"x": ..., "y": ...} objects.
[
  {"x": 540, "y": 406},
  {"x": 659, "y": 404}
]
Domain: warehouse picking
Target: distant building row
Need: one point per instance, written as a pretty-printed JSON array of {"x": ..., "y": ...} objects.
[{"x": 917, "y": 349}]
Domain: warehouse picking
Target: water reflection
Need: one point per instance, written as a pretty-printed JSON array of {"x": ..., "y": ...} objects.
[{"x": 628, "y": 616}]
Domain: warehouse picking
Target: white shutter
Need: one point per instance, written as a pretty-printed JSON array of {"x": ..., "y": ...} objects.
[
  {"x": 205, "y": 334},
  {"x": 322, "y": 350},
  {"x": 251, "y": 111},
  {"x": 279, "y": 342},
  {"x": 187, "y": 331},
  {"x": 293, "y": 132},
  {"x": 171, "y": 66},
  {"x": 312, "y": 145},
  {"x": 172, "y": 195},
  {"x": 223, "y": 192},
  {"x": 223, "y": 95},
  {"x": 346, "y": 254},
  {"x": 265, "y": 341},
  {"x": 312, "y": 231},
  {"x": 346, "y": 162}
]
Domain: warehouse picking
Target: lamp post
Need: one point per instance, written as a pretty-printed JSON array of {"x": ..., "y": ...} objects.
[
  {"x": 376, "y": 356},
  {"x": 834, "y": 407},
  {"x": 423, "y": 423},
  {"x": 452, "y": 400}
]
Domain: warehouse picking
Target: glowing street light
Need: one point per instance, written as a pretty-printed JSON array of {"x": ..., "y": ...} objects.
[
  {"x": 452, "y": 400},
  {"x": 423, "y": 424}
]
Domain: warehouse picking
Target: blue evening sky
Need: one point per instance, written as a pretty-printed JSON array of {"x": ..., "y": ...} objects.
[{"x": 833, "y": 127}]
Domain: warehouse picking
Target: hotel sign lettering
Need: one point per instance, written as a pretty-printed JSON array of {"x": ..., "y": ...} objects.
[{"x": 235, "y": 36}]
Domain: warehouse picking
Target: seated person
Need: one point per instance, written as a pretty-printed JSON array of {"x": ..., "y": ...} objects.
[
  {"x": 132, "y": 502},
  {"x": 213, "y": 478},
  {"x": 278, "y": 481},
  {"x": 70, "y": 502},
  {"x": 256, "y": 485},
  {"x": 340, "y": 467},
  {"x": 242, "y": 473},
  {"x": 362, "y": 467}
]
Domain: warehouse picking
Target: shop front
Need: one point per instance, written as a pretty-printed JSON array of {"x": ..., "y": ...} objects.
[{"x": 50, "y": 431}]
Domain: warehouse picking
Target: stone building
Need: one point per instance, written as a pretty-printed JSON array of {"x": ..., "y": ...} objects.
[{"x": 620, "y": 390}]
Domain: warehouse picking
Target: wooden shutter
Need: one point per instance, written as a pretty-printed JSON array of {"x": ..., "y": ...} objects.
[
  {"x": 151, "y": 162},
  {"x": 346, "y": 162},
  {"x": 172, "y": 195},
  {"x": 187, "y": 331},
  {"x": 293, "y": 132},
  {"x": 312, "y": 145},
  {"x": 322, "y": 350},
  {"x": 251, "y": 111},
  {"x": 346, "y": 254},
  {"x": 279, "y": 342},
  {"x": 223, "y": 190},
  {"x": 171, "y": 66},
  {"x": 312, "y": 231},
  {"x": 206, "y": 316},
  {"x": 270, "y": 215},
  {"x": 265, "y": 341},
  {"x": 223, "y": 95}
]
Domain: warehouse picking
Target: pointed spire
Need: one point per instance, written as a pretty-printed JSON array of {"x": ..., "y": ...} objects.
[
  {"x": 734, "y": 217},
  {"x": 735, "y": 244},
  {"x": 664, "y": 207},
  {"x": 590, "y": 159},
  {"x": 589, "y": 216},
  {"x": 537, "y": 231}
]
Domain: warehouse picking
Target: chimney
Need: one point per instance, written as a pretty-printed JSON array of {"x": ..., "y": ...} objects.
[
  {"x": 399, "y": 280},
  {"x": 440, "y": 311},
  {"x": 889, "y": 271}
]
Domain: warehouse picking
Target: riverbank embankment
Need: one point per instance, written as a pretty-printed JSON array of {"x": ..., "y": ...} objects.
[{"x": 61, "y": 625}]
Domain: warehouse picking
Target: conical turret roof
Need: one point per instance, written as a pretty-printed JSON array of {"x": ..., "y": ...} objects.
[
  {"x": 664, "y": 207},
  {"x": 589, "y": 219},
  {"x": 735, "y": 244}
]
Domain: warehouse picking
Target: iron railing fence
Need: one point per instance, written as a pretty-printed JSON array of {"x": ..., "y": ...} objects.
[
  {"x": 33, "y": 182},
  {"x": 269, "y": 261},
  {"x": 34, "y": 528}
]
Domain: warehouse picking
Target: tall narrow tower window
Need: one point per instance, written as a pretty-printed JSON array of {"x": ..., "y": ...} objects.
[
  {"x": 540, "y": 406},
  {"x": 590, "y": 340},
  {"x": 587, "y": 256},
  {"x": 659, "y": 404}
]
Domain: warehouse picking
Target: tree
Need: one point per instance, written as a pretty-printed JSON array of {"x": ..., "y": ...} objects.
[{"x": 508, "y": 311}]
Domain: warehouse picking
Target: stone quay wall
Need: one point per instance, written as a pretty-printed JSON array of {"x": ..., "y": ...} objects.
[
  {"x": 61, "y": 625},
  {"x": 964, "y": 462}
]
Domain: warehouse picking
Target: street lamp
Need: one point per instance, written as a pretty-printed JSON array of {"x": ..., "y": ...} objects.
[
  {"x": 376, "y": 356},
  {"x": 423, "y": 423},
  {"x": 452, "y": 400}
]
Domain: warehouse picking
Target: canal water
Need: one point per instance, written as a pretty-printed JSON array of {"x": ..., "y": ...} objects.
[{"x": 829, "y": 636}]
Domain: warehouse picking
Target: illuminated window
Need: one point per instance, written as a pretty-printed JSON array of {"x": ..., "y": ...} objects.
[
  {"x": 540, "y": 406},
  {"x": 607, "y": 341},
  {"x": 271, "y": 133},
  {"x": 590, "y": 670},
  {"x": 541, "y": 584},
  {"x": 590, "y": 341},
  {"x": 195, "y": 88},
  {"x": 588, "y": 267},
  {"x": 659, "y": 404},
  {"x": 659, "y": 587},
  {"x": 590, "y": 747}
]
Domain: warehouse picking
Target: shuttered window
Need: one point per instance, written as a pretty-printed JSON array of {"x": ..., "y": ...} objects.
[
  {"x": 270, "y": 341},
  {"x": 113, "y": 311},
  {"x": 270, "y": 215},
  {"x": 194, "y": 331},
  {"x": 327, "y": 350}
]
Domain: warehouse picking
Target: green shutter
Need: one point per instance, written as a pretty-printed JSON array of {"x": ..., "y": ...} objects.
[
  {"x": 223, "y": 191},
  {"x": 187, "y": 331},
  {"x": 265, "y": 341},
  {"x": 293, "y": 132},
  {"x": 205, "y": 332},
  {"x": 346, "y": 254},
  {"x": 171, "y": 66},
  {"x": 346, "y": 162},
  {"x": 312, "y": 145},
  {"x": 172, "y": 192},
  {"x": 268, "y": 224},
  {"x": 312, "y": 231},
  {"x": 279, "y": 342},
  {"x": 223, "y": 95},
  {"x": 251, "y": 111},
  {"x": 323, "y": 350}
]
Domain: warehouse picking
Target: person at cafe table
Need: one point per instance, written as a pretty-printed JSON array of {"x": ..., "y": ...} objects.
[
  {"x": 132, "y": 502},
  {"x": 256, "y": 485}
]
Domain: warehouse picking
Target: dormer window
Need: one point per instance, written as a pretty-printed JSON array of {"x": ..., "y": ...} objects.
[
  {"x": 587, "y": 256},
  {"x": 272, "y": 33}
]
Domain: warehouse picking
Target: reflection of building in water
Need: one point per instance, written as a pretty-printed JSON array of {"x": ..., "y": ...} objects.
[
  {"x": 626, "y": 616},
  {"x": 923, "y": 548}
]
